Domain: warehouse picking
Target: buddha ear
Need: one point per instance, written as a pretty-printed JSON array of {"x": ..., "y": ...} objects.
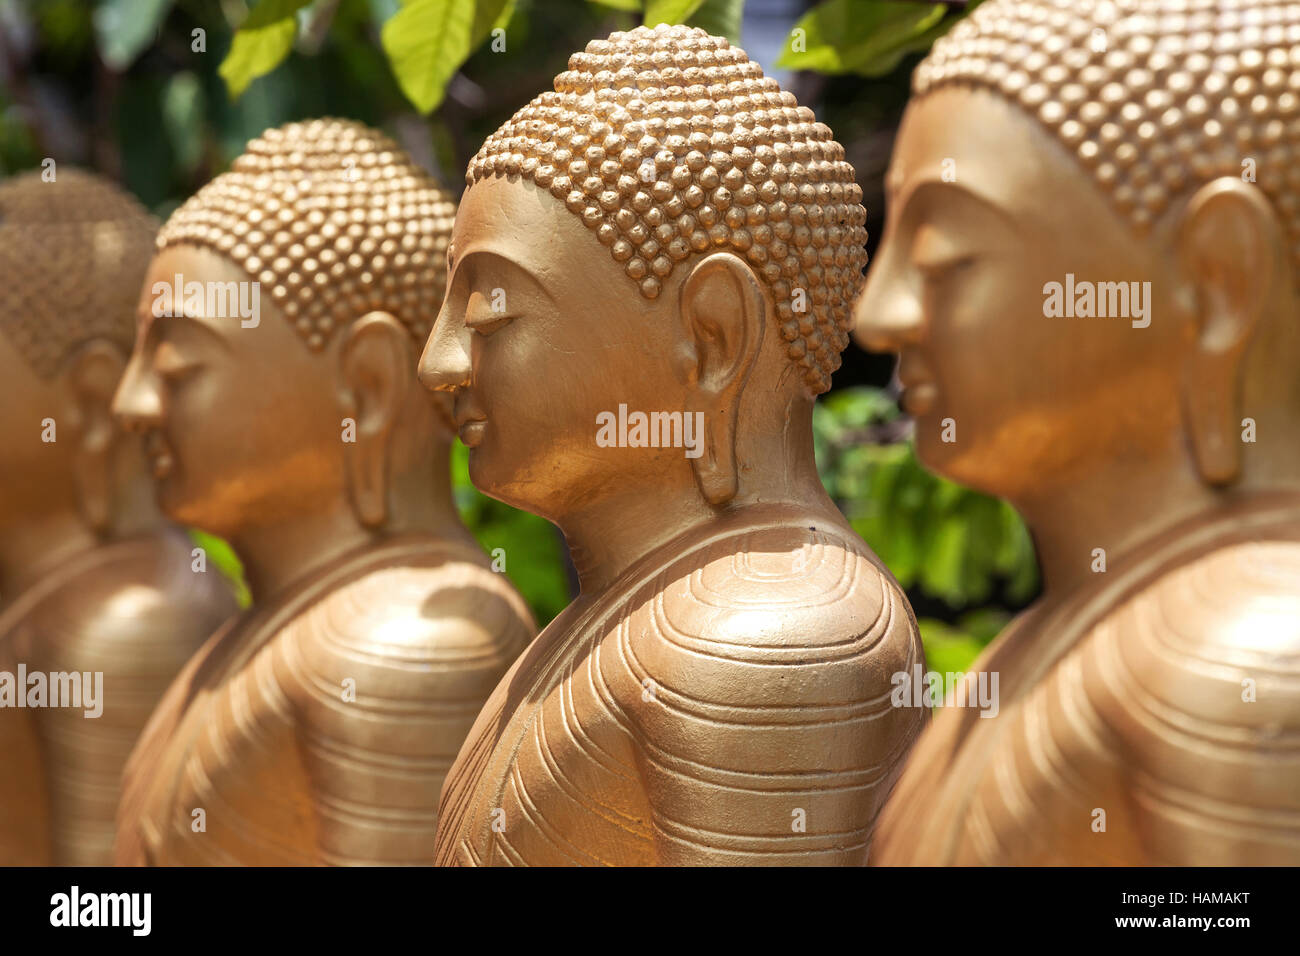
[
  {"x": 377, "y": 366},
  {"x": 1229, "y": 243},
  {"x": 724, "y": 312},
  {"x": 92, "y": 378}
]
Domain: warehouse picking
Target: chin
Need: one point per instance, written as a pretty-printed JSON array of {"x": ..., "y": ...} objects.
[
  {"x": 488, "y": 475},
  {"x": 970, "y": 467},
  {"x": 508, "y": 494},
  {"x": 181, "y": 512},
  {"x": 506, "y": 486},
  {"x": 180, "y": 506}
]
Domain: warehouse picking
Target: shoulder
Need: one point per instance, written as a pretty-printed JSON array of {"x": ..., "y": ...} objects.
[
  {"x": 801, "y": 613},
  {"x": 143, "y": 594},
  {"x": 1191, "y": 688},
  {"x": 754, "y": 677},
  {"x": 457, "y": 608},
  {"x": 417, "y": 634},
  {"x": 1198, "y": 639}
]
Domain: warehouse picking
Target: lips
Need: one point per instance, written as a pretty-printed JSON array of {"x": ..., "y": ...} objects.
[
  {"x": 161, "y": 460},
  {"x": 471, "y": 432},
  {"x": 919, "y": 390},
  {"x": 919, "y": 399},
  {"x": 470, "y": 420}
]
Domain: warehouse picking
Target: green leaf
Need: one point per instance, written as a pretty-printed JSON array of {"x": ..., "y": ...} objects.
[
  {"x": 985, "y": 623},
  {"x": 123, "y": 28},
  {"x": 671, "y": 12},
  {"x": 221, "y": 555},
  {"x": 426, "y": 42},
  {"x": 946, "y": 541},
  {"x": 630, "y": 6},
  {"x": 859, "y": 36},
  {"x": 183, "y": 119},
  {"x": 261, "y": 43},
  {"x": 722, "y": 18},
  {"x": 488, "y": 15}
]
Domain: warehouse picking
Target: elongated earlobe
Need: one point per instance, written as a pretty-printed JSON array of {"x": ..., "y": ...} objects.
[
  {"x": 725, "y": 314},
  {"x": 93, "y": 377},
  {"x": 1211, "y": 409},
  {"x": 1229, "y": 248},
  {"x": 377, "y": 362}
]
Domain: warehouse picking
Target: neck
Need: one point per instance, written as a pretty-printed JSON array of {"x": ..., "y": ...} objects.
[
  {"x": 278, "y": 554},
  {"x": 32, "y": 546},
  {"x": 1119, "y": 508},
  {"x": 606, "y": 536},
  {"x": 281, "y": 553},
  {"x": 49, "y": 533}
]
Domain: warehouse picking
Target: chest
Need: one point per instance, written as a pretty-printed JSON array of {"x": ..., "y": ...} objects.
[
  {"x": 548, "y": 775},
  {"x": 223, "y": 779}
]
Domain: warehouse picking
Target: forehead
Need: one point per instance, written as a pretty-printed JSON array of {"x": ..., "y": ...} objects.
[
  {"x": 14, "y": 367},
  {"x": 986, "y": 145},
  {"x": 185, "y": 264},
  {"x": 522, "y": 222},
  {"x": 191, "y": 264},
  {"x": 224, "y": 287}
]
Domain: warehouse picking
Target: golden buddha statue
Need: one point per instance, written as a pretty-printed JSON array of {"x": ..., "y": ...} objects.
[
  {"x": 318, "y": 726},
  {"x": 718, "y": 693},
  {"x": 1089, "y": 274},
  {"x": 100, "y": 601}
]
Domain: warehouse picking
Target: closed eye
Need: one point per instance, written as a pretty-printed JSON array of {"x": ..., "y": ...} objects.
[
  {"x": 483, "y": 318},
  {"x": 935, "y": 255},
  {"x": 169, "y": 362},
  {"x": 935, "y": 269}
]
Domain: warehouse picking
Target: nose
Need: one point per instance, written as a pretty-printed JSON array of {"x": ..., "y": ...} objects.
[
  {"x": 137, "y": 405},
  {"x": 887, "y": 314},
  {"x": 445, "y": 364}
]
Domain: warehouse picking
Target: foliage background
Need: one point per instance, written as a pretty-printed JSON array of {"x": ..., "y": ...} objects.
[{"x": 163, "y": 94}]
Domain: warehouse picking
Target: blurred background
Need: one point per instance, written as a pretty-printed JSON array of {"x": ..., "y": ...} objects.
[{"x": 161, "y": 95}]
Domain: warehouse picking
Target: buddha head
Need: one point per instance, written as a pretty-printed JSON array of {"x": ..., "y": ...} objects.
[
  {"x": 73, "y": 250},
  {"x": 1092, "y": 241},
  {"x": 280, "y": 323},
  {"x": 666, "y": 233}
]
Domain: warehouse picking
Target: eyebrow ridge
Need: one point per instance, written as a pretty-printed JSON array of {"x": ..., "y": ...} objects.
[{"x": 929, "y": 184}]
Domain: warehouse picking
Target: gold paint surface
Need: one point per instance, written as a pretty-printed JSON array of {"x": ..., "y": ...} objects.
[
  {"x": 77, "y": 225},
  {"x": 672, "y": 142},
  {"x": 333, "y": 220},
  {"x": 1149, "y": 703},
  {"x": 317, "y": 727},
  {"x": 719, "y": 691},
  {"x": 92, "y": 581}
]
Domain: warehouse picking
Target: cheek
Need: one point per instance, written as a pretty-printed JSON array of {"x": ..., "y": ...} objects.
[
  {"x": 976, "y": 331},
  {"x": 996, "y": 358},
  {"x": 233, "y": 417},
  {"x": 1003, "y": 324},
  {"x": 534, "y": 382},
  {"x": 190, "y": 418},
  {"x": 19, "y": 433},
  {"x": 542, "y": 390}
]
